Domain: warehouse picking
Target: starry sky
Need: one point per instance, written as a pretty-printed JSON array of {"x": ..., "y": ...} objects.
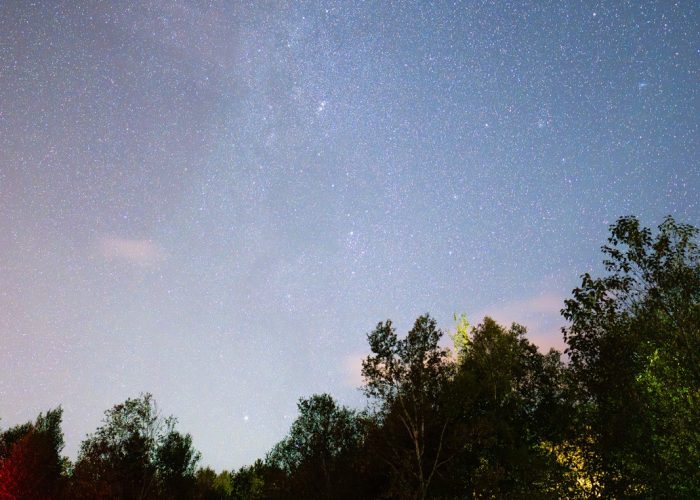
[{"x": 216, "y": 201}]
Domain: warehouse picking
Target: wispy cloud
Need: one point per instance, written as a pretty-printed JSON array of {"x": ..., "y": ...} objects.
[
  {"x": 352, "y": 366},
  {"x": 539, "y": 313},
  {"x": 139, "y": 252}
]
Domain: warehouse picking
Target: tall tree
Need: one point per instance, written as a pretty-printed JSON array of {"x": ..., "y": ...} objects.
[
  {"x": 175, "y": 462},
  {"x": 506, "y": 397},
  {"x": 634, "y": 344},
  {"x": 405, "y": 378},
  {"x": 132, "y": 453},
  {"x": 30, "y": 458},
  {"x": 322, "y": 436}
]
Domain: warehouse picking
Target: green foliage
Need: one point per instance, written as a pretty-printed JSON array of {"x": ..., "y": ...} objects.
[
  {"x": 135, "y": 454},
  {"x": 460, "y": 338},
  {"x": 248, "y": 483},
  {"x": 322, "y": 435},
  {"x": 175, "y": 462},
  {"x": 212, "y": 486},
  {"x": 634, "y": 344},
  {"x": 506, "y": 398}
]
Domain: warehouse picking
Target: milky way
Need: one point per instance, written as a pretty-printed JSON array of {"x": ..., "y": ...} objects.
[{"x": 215, "y": 202}]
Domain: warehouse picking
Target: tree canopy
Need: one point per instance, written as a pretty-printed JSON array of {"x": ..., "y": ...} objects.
[
  {"x": 136, "y": 453},
  {"x": 634, "y": 345},
  {"x": 31, "y": 465},
  {"x": 493, "y": 417}
]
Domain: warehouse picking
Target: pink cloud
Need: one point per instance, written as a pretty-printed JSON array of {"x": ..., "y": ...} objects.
[
  {"x": 539, "y": 313},
  {"x": 352, "y": 365},
  {"x": 546, "y": 340},
  {"x": 139, "y": 252}
]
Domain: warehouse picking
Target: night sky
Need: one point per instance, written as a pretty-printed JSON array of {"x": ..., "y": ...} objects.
[{"x": 215, "y": 202}]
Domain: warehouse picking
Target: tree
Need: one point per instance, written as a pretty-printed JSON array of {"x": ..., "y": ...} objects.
[
  {"x": 505, "y": 401},
  {"x": 634, "y": 345},
  {"x": 213, "y": 486},
  {"x": 133, "y": 453},
  {"x": 321, "y": 436},
  {"x": 30, "y": 460},
  {"x": 405, "y": 378},
  {"x": 175, "y": 463},
  {"x": 248, "y": 483}
]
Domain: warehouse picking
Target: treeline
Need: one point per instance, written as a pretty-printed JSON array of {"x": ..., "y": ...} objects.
[{"x": 617, "y": 416}]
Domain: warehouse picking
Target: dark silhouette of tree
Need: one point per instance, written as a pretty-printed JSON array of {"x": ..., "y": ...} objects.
[
  {"x": 322, "y": 436},
  {"x": 212, "y": 486},
  {"x": 495, "y": 418},
  {"x": 505, "y": 399},
  {"x": 30, "y": 459},
  {"x": 405, "y": 378},
  {"x": 634, "y": 344},
  {"x": 249, "y": 482},
  {"x": 175, "y": 463},
  {"x": 133, "y": 454}
]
